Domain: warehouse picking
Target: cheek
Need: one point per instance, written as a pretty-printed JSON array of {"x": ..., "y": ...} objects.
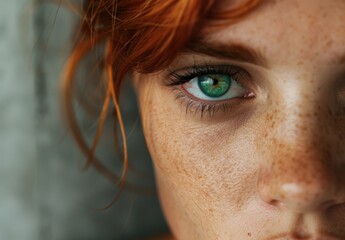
[{"x": 203, "y": 170}]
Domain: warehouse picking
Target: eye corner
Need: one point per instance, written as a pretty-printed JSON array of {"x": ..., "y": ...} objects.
[{"x": 249, "y": 94}]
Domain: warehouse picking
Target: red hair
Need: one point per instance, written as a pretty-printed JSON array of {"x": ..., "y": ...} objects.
[{"x": 139, "y": 35}]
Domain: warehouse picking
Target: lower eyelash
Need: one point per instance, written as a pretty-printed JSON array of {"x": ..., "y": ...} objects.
[{"x": 203, "y": 108}]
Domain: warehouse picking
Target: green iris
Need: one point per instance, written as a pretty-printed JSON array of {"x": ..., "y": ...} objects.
[{"x": 214, "y": 85}]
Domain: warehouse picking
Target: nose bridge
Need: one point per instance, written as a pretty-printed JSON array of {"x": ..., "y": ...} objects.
[
  {"x": 297, "y": 168},
  {"x": 299, "y": 132}
]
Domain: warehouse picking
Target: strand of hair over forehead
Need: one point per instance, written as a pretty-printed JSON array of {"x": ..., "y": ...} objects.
[{"x": 140, "y": 35}]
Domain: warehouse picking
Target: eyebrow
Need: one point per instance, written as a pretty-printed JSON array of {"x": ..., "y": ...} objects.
[{"x": 233, "y": 51}]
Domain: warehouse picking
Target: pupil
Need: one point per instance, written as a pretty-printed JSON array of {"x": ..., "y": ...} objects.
[{"x": 215, "y": 81}]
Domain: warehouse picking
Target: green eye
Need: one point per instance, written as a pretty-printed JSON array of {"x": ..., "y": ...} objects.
[{"x": 214, "y": 85}]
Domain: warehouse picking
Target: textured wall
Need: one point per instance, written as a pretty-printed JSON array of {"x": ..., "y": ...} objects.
[
  {"x": 43, "y": 193},
  {"x": 18, "y": 184}
]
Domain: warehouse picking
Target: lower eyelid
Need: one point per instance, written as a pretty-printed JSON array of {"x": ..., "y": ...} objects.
[
  {"x": 195, "y": 107},
  {"x": 218, "y": 112},
  {"x": 247, "y": 94}
]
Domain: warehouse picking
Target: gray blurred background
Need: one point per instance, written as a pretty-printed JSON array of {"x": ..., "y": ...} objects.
[{"x": 44, "y": 195}]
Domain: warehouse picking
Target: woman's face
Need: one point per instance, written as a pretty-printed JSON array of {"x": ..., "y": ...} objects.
[{"x": 247, "y": 130}]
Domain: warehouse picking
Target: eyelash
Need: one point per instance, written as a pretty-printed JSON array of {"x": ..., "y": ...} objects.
[{"x": 177, "y": 79}]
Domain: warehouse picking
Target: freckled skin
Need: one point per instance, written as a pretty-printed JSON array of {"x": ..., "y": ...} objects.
[{"x": 274, "y": 165}]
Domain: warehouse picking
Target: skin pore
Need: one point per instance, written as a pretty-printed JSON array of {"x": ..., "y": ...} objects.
[{"x": 268, "y": 162}]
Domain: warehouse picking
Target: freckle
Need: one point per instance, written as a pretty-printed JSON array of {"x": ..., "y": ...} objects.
[
  {"x": 249, "y": 234},
  {"x": 329, "y": 112},
  {"x": 304, "y": 128},
  {"x": 273, "y": 124},
  {"x": 329, "y": 43}
]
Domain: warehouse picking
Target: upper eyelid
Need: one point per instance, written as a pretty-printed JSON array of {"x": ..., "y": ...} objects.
[
  {"x": 195, "y": 70},
  {"x": 209, "y": 66}
]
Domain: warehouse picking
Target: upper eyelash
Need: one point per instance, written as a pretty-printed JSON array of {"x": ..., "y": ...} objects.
[{"x": 176, "y": 78}]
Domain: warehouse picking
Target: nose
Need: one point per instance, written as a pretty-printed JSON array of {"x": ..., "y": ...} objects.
[{"x": 299, "y": 169}]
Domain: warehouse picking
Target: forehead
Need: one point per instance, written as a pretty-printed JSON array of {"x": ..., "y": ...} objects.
[{"x": 302, "y": 28}]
